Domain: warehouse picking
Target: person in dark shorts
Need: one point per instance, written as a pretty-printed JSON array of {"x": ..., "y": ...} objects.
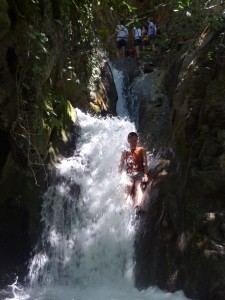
[
  {"x": 152, "y": 31},
  {"x": 137, "y": 41},
  {"x": 121, "y": 39}
]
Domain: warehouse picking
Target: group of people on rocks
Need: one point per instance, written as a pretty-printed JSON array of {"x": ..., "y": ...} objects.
[{"x": 142, "y": 37}]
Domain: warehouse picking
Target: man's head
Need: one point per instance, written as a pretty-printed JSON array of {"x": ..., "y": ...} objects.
[
  {"x": 132, "y": 139},
  {"x": 121, "y": 22}
]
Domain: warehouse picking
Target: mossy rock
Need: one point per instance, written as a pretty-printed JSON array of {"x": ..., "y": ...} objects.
[
  {"x": 63, "y": 138},
  {"x": 4, "y": 18},
  {"x": 77, "y": 94}
]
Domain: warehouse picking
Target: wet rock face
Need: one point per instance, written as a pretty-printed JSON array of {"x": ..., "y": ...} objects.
[
  {"x": 199, "y": 129},
  {"x": 108, "y": 89},
  {"x": 5, "y": 147},
  {"x": 102, "y": 88},
  {"x": 4, "y": 19},
  {"x": 183, "y": 247},
  {"x": 147, "y": 103},
  {"x": 153, "y": 120}
]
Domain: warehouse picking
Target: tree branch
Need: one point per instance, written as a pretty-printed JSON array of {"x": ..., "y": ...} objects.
[{"x": 214, "y": 6}]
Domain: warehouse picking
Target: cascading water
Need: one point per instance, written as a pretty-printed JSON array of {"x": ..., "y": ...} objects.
[
  {"x": 87, "y": 241},
  {"x": 87, "y": 236}
]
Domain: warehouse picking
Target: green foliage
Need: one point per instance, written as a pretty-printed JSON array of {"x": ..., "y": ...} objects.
[
  {"x": 135, "y": 21},
  {"x": 26, "y": 86},
  {"x": 218, "y": 22},
  {"x": 121, "y": 6},
  {"x": 104, "y": 33},
  {"x": 39, "y": 41},
  {"x": 57, "y": 112},
  {"x": 220, "y": 50},
  {"x": 210, "y": 55},
  {"x": 182, "y": 4},
  {"x": 75, "y": 27},
  {"x": 48, "y": 108}
]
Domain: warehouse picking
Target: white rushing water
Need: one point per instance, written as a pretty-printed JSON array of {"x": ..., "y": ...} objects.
[{"x": 87, "y": 243}]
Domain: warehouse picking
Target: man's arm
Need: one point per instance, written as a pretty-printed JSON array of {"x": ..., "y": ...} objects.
[
  {"x": 145, "y": 164},
  {"x": 121, "y": 164}
]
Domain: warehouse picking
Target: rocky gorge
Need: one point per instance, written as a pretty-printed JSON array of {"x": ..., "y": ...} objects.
[{"x": 180, "y": 243}]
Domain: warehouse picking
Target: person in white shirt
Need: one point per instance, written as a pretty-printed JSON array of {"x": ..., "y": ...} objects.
[
  {"x": 137, "y": 41},
  {"x": 121, "y": 39}
]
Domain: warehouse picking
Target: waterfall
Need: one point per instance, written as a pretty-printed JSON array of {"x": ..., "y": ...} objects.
[
  {"x": 86, "y": 250},
  {"x": 87, "y": 235}
]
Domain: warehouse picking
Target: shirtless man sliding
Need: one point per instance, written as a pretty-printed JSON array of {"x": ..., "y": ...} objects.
[{"x": 135, "y": 162}]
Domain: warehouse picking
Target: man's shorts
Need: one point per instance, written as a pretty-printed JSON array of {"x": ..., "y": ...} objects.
[
  {"x": 120, "y": 43},
  {"x": 137, "y": 42},
  {"x": 134, "y": 177},
  {"x": 152, "y": 39}
]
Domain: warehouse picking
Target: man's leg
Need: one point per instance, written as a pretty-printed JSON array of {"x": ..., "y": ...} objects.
[
  {"x": 123, "y": 52},
  {"x": 138, "y": 194},
  {"x": 128, "y": 191},
  {"x": 118, "y": 52},
  {"x": 137, "y": 52},
  {"x": 118, "y": 48},
  {"x": 153, "y": 45}
]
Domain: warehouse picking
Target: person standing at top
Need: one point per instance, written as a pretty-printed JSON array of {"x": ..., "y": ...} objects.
[
  {"x": 135, "y": 162},
  {"x": 144, "y": 36},
  {"x": 121, "y": 39},
  {"x": 137, "y": 41},
  {"x": 152, "y": 31}
]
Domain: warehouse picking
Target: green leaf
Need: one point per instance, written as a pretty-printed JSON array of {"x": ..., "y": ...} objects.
[
  {"x": 210, "y": 55},
  {"x": 188, "y": 14},
  {"x": 58, "y": 21},
  {"x": 55, "y": 122},
  {"x": 26, "y": 86},
  {"x": 32, "y": 35}
]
